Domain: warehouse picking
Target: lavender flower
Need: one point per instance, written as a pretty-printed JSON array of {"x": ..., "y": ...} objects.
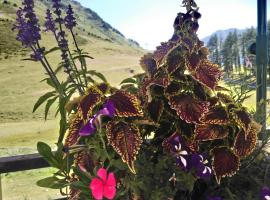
[
  {"x": 265, "y": 193},
  {"x": 38, "y": 54},
  {"x": 91, "y": 126},
  {"x": 57, "y": 10},
  {"x": 27, "y": 24},
  {"x": 70, "y": 20},
  {"x": 49, "y": 23},
  {"x": 199, "y": 163}
]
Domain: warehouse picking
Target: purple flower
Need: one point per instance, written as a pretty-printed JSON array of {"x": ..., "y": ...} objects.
[
  {"x": 57, "y": 9},
  {"x": 49, "y": 22},
  {"x": 179, "y": 150},
  {"x": 70, "y": 20},
  {"x": 199, "y": 163},
  {"x": 265, "y": 193},
  {"x": 91, "y": 126},
  {"x": 38, "y": 54},
  {"x": 27, "y": 24}
]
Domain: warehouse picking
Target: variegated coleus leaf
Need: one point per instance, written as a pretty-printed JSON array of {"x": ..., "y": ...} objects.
[
  {"x": 161, "y": 51},
  {"x": 74, "y": 127},
  {"x": 207, "y": 73},
  {"x": 173, "y": 88},
  {"x": 206, "y": 132},
  {"x": 188, "y": 108},
  {"x": 92, "y": 98},
  {"x": 126, "y": 140},
  {"x": 148, "y": 64},
  {"x": 216, "y": 115},
  {"x": 155, "y": 109},
  {"x": 244, "y": 142},
  {"x": 175, "y": 61},
  {"x": 243, "y": 119},
  {"x": 126, "y": 104},
  {"x": 188, "y": 43},
  {"x": 225, "y": 163}
]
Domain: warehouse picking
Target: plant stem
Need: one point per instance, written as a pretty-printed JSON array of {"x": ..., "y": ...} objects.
[{"x": 84, "y": 69}]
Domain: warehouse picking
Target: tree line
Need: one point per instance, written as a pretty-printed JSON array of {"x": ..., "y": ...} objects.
[{"x": 232, "y": 52}]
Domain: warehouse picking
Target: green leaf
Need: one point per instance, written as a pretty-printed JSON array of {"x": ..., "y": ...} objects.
[
  {"x": 84, "y": 177},
  {"x": 129, "y": 80},
  {"x": 97, "y": 74},
  {"x": 42, "y": 99},
  {"x": 63, "y": 120},
  {"x": 51, "y": 50},
  {"x": 48, "y": 105},
  {"x": 52, "y": 182},
  {"x": 46, "y": 152},
  {"x": 80, "y": 186},
  {"x": 82, "y": 56}
]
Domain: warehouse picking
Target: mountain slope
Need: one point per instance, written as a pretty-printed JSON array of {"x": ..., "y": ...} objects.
[{"x": 90, "y": 25}]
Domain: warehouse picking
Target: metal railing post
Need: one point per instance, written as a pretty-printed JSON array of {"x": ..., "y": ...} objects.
[{"x": 262, "y": 62}]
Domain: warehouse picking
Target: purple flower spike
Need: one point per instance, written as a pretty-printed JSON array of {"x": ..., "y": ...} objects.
[
  {"x": 265, "y": 194},
  {"x": 27, "y": 24},
  {"x": 70, "y": 20},
  {"x": 200, "y": 165},
  {"x": 49, "y": 23},
  {"x": 88, "y": 129}
]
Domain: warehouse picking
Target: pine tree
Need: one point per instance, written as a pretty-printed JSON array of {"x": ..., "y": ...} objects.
[{"x": 214, "y": 47}]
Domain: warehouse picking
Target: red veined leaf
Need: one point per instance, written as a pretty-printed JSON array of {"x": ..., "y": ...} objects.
[
  {"x": 89, "y": 101},
  {"x": 188, "y": 43},
  {"x": 148, "y": 64},
  {"x": 84, "y": 161},
  {"x": 155, "y": 109},
  {"x": 245, "y": 143},
  {"x": 205, "y": 132},
  {"x": 225, "y": 98},
  {"x": 126, "y": 104},
  {"x": 126, "y": 141},
  {"x": 145, "y": 89},
  {"x": 243, "y": 119},
  {"x": 225, "y": 163},
  {"x": 216, "y": 115},
  {"x": 188, "y": 108},
  {"x": 173, "y": 88},
  {"x": 175, "y": 61},
  {"x": 207, "y": 73},
  {"x": 193, "y": 61},
  {"x": 73, "y": 130},
  {"x": 162, "y": 51}
]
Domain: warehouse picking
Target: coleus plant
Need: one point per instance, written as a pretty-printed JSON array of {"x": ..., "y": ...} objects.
[{"x": 159, "y": 134}]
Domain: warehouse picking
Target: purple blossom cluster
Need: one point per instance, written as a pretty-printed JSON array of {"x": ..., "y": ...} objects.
[
  {"x": 91, "y": 126},
  {"x": 188, "y": 160},
  {"x": 28, "y": 28}
]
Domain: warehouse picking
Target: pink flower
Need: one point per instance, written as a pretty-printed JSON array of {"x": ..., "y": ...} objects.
[{"x": 103, "y": 185}]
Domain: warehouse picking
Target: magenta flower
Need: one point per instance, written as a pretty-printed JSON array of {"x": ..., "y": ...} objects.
[
  {"x": 104, "y": 185},
  {"x": 91, "y": 126},
  {"x": 265, "y": 193}
]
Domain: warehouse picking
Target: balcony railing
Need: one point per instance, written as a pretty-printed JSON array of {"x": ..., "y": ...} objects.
[{"x": 21, "y": 163}]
